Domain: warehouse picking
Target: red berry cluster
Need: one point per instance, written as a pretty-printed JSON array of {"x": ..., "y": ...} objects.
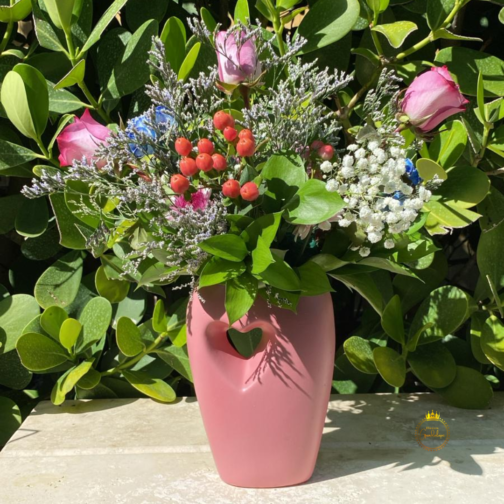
[
  {"x": 207, "y": 159},
  {"x": 325, "y": 151}
]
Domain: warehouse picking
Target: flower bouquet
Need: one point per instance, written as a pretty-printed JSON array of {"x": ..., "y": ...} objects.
[{"x": 239, "y": 186}]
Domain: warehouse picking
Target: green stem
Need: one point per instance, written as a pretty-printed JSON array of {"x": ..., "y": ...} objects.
[
  {"x": 94, "y": 103},
  {"x": 130, "y": 363},
  {"x": 45, "y": 152},
  {"x": 375, "y": 37},
  {"x": 484, "y": 142},
  {"x": 6, "y": 37}
]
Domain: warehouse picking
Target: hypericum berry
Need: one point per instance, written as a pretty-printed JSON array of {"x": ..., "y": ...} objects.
[
  {"x": 245, "y": 147},
  {"x": 316, "y": 144},
  {"x": 179, "y": 184},
  {"x": 326, "y": 152},
  {"x": 231, "y": 188},
  {"x": 246, "y": 133},
  {"x": 205, "y": 146},
  {"x": 183, "y": 146},
  {"x": 249, "y": 191},
  {"x": 188, "y": 166},
  {"x": 204, "y": 162},
  {"x": 222, "y": 119},
  {"x": 219, "y": 162},
  {"x": 230, "y": 133}
]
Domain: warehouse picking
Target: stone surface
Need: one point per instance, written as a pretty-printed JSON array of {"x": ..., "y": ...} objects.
[{"x": 142, "y": 452}]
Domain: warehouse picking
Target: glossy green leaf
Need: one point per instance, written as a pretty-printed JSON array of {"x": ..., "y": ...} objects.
[
  {"x": 359, "y": 352},
  {"x": 32, "y": 218},
  {"x": 392, "y": 320},
  {"x": 427, "y": 168},
  {"x": 314, "y": 204},
  {"x": 469, "y": 390},
  {"x": 478, "y": 320},
  {"x": 159, "y": 320},
  {"x": 69, "y": 333},
  {"x": 433, "y": 365},
  {"x": 113, "y": 290},
  {"x": 489, "y": 255},
  {"x": 52, "y": 319},
  {"x": 208, "y": 19},
  {"x": 280, "y": 275},
  {"x": 492, "y": 341},
  {"x": 69, "y": 380},
  {"x": 327, "y": 22},
  {"x": 396, "y": 33},
  {"x": 58, "y": 285},
  {"x": 12, "y": 155},
  {"x": 241, "y": 12},
  {"x": 240, "y": 296},
  {"x": 189, "y": 62},
  {"x": 378, "y": 6},
  {"x": 449, "y": 144},
  {"x": 12, "y": 372},
  {"x": 129, "y": 337},
  {"x": 219, "y": 270},
  {"x": 227, "y": 246},
  {"x": 9, "y": 208},
  {"x": 10, "y": 419},
  {"x": 70, "y": 237},
  {"x": 265, "y": 226},
  {"x": 438, "y": 11},
  {"x": 13, "y": 12},
  {"x": 39, "y": 352},
  {"x": 390, "y": 365},
  {"x": 314, "y": 280},
  {"x": 261, "y": 256},
  {"x": 90, "y": 380},
  {"x": 74, "y": 76},
  {"x": 139, "y": 11},
  {"x": 245, "y": 343},
  {"x": 60, "y": 12},
  {"x": 173, "y": 37},
  {"x": 152, "y": 387},
  {"x": 178, "y": 359},
  {"x": 95, "y": 319}
]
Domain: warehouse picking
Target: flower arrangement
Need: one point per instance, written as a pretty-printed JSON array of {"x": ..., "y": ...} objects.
[{"x": 238, "y": 177}]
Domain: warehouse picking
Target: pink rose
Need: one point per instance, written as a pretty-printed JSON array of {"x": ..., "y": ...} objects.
[
  {"x": 431, "y": 98},
  {"x": 237, "y": 62},
  {"x": 81, "y": 139}
]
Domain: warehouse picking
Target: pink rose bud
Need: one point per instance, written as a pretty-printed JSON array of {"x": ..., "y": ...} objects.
[
  {"x": 81, "y": 139},
  {"x": 237, "y": 62},
  {"x": 431, "y": 98}
]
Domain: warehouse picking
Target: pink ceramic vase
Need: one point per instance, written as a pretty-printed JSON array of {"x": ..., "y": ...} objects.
[{"x": 264, "y": 416}]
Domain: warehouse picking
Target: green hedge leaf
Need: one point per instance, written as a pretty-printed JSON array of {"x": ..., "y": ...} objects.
[
  {"x": 10, "y": 419},
  {"x": 75, "y": 76},
  {"x": 489, "y": 255},
  {"x": 449, "y": 144},
  {"x": 359, "y": 352},
  {"x": 70, "y": 237},
  {"x": 60, "y": 12},
  {"x": 492, "y": 341},
  {"x": 12, "y": 155},
  {"x": 159, "y": 320},
  {"x": 40, "y": 353},
  {"x": 59, "y": 284},
  {"x": 396, "y": 33},
  {"x": 390, "y": 365},
  {"x": 392, "y": 319},
  {"x": 12, "y": 372},
  {"x": 95, "y": 319},
  {"x": 314, "y": 280},
  {"x": 129, "y": 337},
  {"x": 438, "y": 11},
  {"x": 14, "y": 12},
  {"x": 69, "y": 380},
  {"x": 69, "y": 333},
  {"x": 433, "y": 365},
  {"x": 113, "y": 290},
  {"x": 32, "y": 218},
  {"x": 51, "y": 321},
  {"x": 152, "y": 387},
  {"x": 178, "y": 359},
  {"x": 90, "y": 380}
]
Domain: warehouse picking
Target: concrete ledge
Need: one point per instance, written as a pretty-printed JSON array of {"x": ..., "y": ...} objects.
[{"x": 137, "y": 451}]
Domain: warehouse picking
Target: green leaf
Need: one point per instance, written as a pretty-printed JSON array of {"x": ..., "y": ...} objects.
[
  {"x": 359, "y": 352},
  {"x": 377, "y": 6},
  {"x": 327, "y": 22},
  {"x": 449, "y": 144},
  {"x": 32, "y": 218},
  {"x": 178, "y": 359},
  {"x": 113, "y": 290},
  {"x": 226, "y": 246},
  {"x": 492, "y": 341},
  {"x": 10, "y": 419},
  {"x": 9, "y": 207},
  {"x": 139, "y": 11},
  {"x": 12, "y": 372},
  {"x": 159, "y": 320},
  {"x": 280, "y": 275},
  {"x": 313, "y": 203},
  {"x": 396, "y": 33},
  {"x": 69, "y": 380},
  {"x": 104, "y": 21},
  {"x": 390, "y": 365},
  {"x": 415, "y": 338},
  {"x": 241, "y": 12},
  {"x": 219, "y": 270},
  {"x": 25, "y": 99},
  {"x": 90, "y": 380},
  {"x": 208, "y": 19},
  {"x": 392, "y": 320},
  {"x": 469, "y": 390},
  {"x": 489, "y": 255},
  {"x": 314, "y": 281},
  {"x": 129, "y": 337},
  {"x": 70, "y": 237},
  {"x": 240, "y": 296},
  {"x": 60, "y": 12},
  {"x": 261, "y": 256},
  {"x": 433, "y": 365},
  {"x": 75, "y": 76},
  {"x": 52, "y": 319},
  {"x": 14, "y": 155},
  {"x": 446, "y": 215},
  {"x": 46, "y": 33},
  {"x": 40, "y": 353},
  {"x": 265, "y": 226},
  {"x": 467, "y": 75},
  {"x": 132, "y": 70},
  {"x": 95, "y": 319},
  {"x": 245, "y": 343},
  {"x": 58, "y": 285},
  {"x": 387, "y": 264},
  {"x": 427, "y": 168},
  {"x": 152, "y": 387},
  {"x": 478, "y": 320},
  {"x": 174, "y": 37},
  {"x": 13, "y": 13},
  {"x": 447, "y": 308},
  {"x": 438, "y": 11},
  {"x": 69, "y": 333},
  {"x": 189, "y": 62},
  {"x": 480, "y": 95}
]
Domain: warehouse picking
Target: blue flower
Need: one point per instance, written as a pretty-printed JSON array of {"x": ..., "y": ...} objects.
[
  {"x": 412, "y": 173},
  {"x": 141, "y": 124}
]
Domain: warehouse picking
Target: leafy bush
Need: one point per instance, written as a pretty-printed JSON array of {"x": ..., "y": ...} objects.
[{"x": 425, "y": 314}]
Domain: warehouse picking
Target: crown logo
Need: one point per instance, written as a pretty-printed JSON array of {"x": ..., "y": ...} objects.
[{"x": 432, "y": 416}]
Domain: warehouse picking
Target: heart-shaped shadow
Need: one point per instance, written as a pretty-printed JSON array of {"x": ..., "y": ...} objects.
[{"x": 235, "y": 367}]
